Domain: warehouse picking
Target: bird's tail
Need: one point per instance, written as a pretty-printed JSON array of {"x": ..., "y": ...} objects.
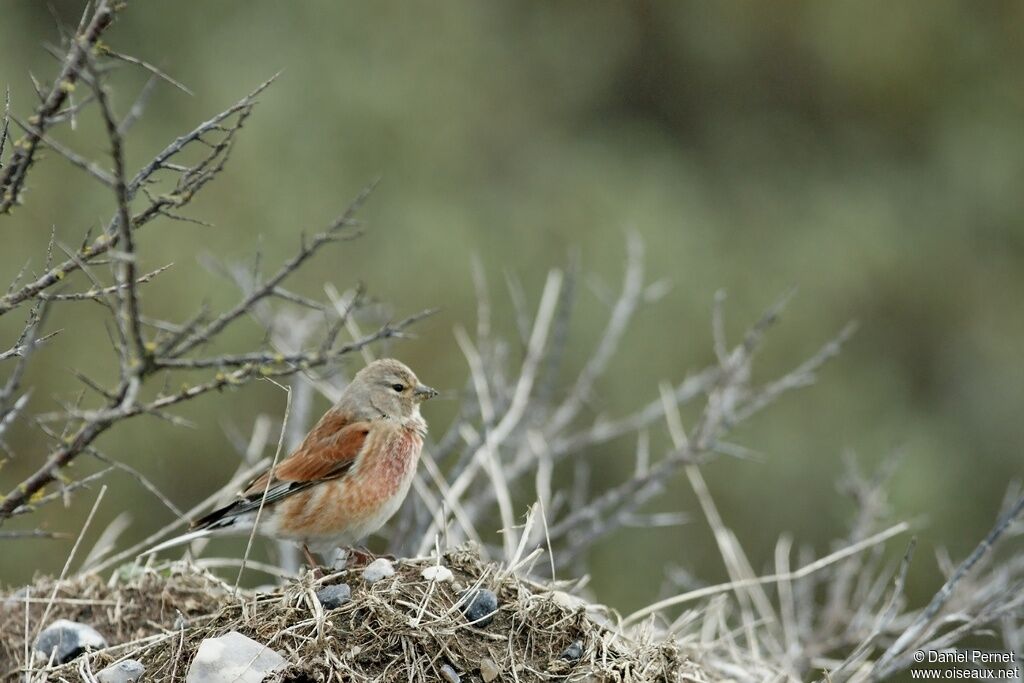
[{"x": 179, "y": 540}]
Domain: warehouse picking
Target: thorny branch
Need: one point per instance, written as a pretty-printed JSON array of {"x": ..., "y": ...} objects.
[
  {"x": 135, "y": 356},
  {"x": 334, "y": 232},
  {"x": 141, "y": 356},
  {"x": 188, "y": 181},
  {"x": 23, "y": 349},
  {"x": 12, "y": 179}
]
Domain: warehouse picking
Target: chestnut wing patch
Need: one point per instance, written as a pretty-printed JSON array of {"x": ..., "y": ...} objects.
[
  {"x": 327, "y": 452},
  {"x": 320, "y": 458}
]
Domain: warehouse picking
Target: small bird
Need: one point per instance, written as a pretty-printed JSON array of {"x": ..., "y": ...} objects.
[{"x": 347, "y": 477}]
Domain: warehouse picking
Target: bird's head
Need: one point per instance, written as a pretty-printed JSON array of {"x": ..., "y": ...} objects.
[{"x": 386, "y": 387}]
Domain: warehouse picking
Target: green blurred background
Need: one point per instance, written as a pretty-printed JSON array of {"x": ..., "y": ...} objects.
[{"x": 869, "y": 153}]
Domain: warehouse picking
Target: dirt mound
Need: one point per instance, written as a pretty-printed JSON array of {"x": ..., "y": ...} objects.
[{"x": 400, "y": 628}]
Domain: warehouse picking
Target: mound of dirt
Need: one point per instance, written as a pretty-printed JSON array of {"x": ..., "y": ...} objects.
[{"x": 402, "y": 627}]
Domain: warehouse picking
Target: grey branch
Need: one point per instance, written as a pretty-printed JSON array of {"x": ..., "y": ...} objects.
[
  {"x": 12, "y": 179},
  {"x": 887, "y": 664}
]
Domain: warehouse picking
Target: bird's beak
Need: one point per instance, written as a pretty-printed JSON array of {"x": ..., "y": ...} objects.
[{"x": 422, "y": 392}]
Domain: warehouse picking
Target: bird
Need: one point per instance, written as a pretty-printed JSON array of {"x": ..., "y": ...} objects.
[{"x": 349, "y": 475}]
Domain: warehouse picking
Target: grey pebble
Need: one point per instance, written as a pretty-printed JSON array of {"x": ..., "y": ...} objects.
[
  {"x": 448, "y": 674},
  {"x": 481, "y": 606},
  {"x": 128, "y": 671},
  {"x": 69, "y": 639},
  {"x": 333, "y": 597},
  {"x": 573, "y": 652}
]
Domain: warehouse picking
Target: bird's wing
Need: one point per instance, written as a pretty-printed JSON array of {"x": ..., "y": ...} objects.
[{"x": 327, "y": 452}]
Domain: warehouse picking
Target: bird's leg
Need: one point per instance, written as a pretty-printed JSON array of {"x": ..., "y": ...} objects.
[
  {"x": 316, "y": 570},
  {"x": 313, "y": 564}
]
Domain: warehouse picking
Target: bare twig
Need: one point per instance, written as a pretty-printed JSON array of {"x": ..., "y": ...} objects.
[
  {"x": 520, "y": 397},
  {"x": 802, "y": 572},
  {"x": 12, "y": 179},
  {"x": 334, "y": 232},
  {"x": 191, "y": 179},
  {"x": 71, "y": 555},
  {"x": 31, "y": 533},
  {"x": 5, "y": 129},
  {"x": 148, "y": 67},
  {"x": 23, "y": 349},
  {"x": 135, "y": 355},
  {"x": 95, "y": 294},
  {"x": 618, "y": 323},
  {"x": 885, "y": 664},
  {"x": 266, "y": 489},
  {"x": 244, "y": 474},
  {"x": 87, "y": 165},
  {"x": 884, "y": 619}
]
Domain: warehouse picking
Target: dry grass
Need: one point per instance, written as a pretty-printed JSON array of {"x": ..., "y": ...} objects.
[{"x": 401, "y": 628}]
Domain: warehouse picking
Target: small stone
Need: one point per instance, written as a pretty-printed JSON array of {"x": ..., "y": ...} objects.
[
  {"x": 573, "y": 652},
  {"x": 448, "y": 674},
  {"x": 437, "y": 573},
  {"x": 333, "y": 597},
  {"x": 567, "y": 601},
  {"x": 379, "y": 569},
  {"x": 233, "y": 658},
  {"x": 127, "y": 671},
  {"x": 69, "y": 639},
  {"x": 17, "y": 598},
  {"x": 488, "y": 669},
  {"x": 480, "y": 607},
  {"x": 340, "y": 560}
]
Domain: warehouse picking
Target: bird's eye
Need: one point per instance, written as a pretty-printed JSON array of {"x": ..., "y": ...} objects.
[{"x": 398, "y": 387}]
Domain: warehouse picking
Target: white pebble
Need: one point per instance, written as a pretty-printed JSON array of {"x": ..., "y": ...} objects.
[
  {"x": 437, "y": 573},
  {"x": 233, "y": 658},
  {"x": 379, "y": 569}
]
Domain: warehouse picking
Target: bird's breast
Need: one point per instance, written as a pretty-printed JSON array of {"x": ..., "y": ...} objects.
[
  {"x": 387, "y": 460},
  {"x": 379, "y": 481}
]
